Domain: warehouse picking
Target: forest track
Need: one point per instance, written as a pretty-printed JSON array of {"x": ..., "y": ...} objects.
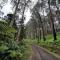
[{"x": 40, "y": 54}]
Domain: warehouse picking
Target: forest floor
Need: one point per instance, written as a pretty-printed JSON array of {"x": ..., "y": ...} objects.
[{"x": 40, "y": 54}]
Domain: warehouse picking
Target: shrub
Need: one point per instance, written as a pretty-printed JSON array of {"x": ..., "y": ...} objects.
[{"x": 9, "y": 48}]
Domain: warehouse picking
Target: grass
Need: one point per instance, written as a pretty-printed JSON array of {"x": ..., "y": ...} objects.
[
  {"x": 48, "y": 44},
  {"x": 28, "y": 52}
]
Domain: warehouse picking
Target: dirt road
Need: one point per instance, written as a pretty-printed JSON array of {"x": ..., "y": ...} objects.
[{"x": 40, "y": 54}]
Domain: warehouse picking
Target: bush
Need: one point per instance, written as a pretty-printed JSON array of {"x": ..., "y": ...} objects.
[{"x": 9, "y": 48}]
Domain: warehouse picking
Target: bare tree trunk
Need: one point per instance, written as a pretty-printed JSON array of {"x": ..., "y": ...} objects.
[
  {"x": 41, "y": 25},
  {"x": 21, "y": 29},
  {"x": 40, "y": 34},
  {"x": 42, "y": 28},
  {"x": 12, "y": 21},
  {"x": 51, "y": 17}
]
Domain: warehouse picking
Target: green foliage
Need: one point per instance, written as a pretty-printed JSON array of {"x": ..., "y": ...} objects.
[
  {"x": 9, "y": 48},
  {"x": 6, "y": 32},
  {"x": 12, "y": 49},
  {"x": 3, "y": 48},
  {"x": 14, "y": 53},
  {"x": 26, "y": 49},
  {"x": 50, "y": 44}
]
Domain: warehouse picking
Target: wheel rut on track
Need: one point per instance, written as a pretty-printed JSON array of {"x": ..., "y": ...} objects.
[{"x": 40, "y": 54}]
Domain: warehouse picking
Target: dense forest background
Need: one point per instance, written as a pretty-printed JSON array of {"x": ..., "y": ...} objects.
[{"x": 42, "y": 29}]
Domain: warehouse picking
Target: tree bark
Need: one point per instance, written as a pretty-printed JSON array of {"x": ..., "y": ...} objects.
[
  {"x": 12, "y": 21},
  {"x": 52, "y": 21}
]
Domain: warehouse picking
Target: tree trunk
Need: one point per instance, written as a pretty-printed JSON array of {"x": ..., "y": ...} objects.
[
  {"x": 51, "y": 17},
  {"x": 12, "y": 21}
]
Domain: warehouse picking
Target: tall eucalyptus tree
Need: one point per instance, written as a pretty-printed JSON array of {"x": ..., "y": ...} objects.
[
  {"x": 52, "y": 20},
  {"x": 36, "y": 12},
  {"x": 20, "y": 8}
]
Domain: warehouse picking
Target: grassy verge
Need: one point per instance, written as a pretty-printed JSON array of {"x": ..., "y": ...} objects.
[
  {"x": 28, "y": 51},
  {"x": 50, "y": 44}
]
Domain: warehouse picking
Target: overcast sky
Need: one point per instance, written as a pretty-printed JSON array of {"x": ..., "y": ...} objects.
[{"x": 7, "y": 9}]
